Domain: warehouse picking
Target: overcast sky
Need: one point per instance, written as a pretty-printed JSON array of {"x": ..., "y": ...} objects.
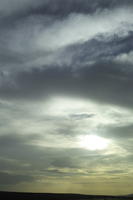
[{"x": 66, "y": 72}]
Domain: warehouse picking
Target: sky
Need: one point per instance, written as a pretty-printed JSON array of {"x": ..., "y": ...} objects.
[{"x": 66, "y": 96}]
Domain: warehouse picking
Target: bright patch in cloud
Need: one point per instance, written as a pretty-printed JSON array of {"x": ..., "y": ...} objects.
[{"x": 93, "y": 142}]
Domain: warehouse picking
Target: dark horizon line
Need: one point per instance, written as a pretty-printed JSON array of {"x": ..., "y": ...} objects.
[{"x": 65, "y": 194}]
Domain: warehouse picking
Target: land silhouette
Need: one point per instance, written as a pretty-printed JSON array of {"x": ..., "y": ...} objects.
[{"x": 52, "y": 196}]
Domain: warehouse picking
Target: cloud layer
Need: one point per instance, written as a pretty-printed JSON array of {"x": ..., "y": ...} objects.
[{"x": 66, "y": 72}]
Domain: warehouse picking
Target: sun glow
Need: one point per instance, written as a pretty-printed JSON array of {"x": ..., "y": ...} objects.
[{"x": 93, "y": 142}]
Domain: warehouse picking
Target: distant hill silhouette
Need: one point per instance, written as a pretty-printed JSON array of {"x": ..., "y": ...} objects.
[
  {"x": 52, "y": 196},
  {"x": 130, "y": 195}
]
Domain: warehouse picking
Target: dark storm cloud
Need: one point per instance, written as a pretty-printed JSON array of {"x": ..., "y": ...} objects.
[
  {"x": 9, "y": 164},
  {"x": 80, "y": 77},
  {"x": 101, "y": 48},
  {"x": 8, "y": 8},
  {"x": 112, "y": 79},
  {"x": 119, "y": 132},
  {"x": 67, "y": 162},
  {"x": 11, "y": 179},
  {"x": 20, "y": 42},
  {"x": 61, "y": 8},
  {"x": 20, "y": 149},
  {"x": 9, "y": 140}
]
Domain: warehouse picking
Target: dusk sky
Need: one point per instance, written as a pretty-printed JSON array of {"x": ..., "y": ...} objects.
[{"x": 66, "y": 96}]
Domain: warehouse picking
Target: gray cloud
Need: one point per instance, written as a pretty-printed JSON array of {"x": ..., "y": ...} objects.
[
  {"x": 81, "y": 77},
  {"x": 56, "y": 8},
  {"x": 11, "y": 179},
  {"x": 110, "y": 78},
  {"x": 65, "y": 73},
  {"x": 81, "y": 116},
  {"x": 120, "y": 131},
  {"x": 116, "y": 171}
]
